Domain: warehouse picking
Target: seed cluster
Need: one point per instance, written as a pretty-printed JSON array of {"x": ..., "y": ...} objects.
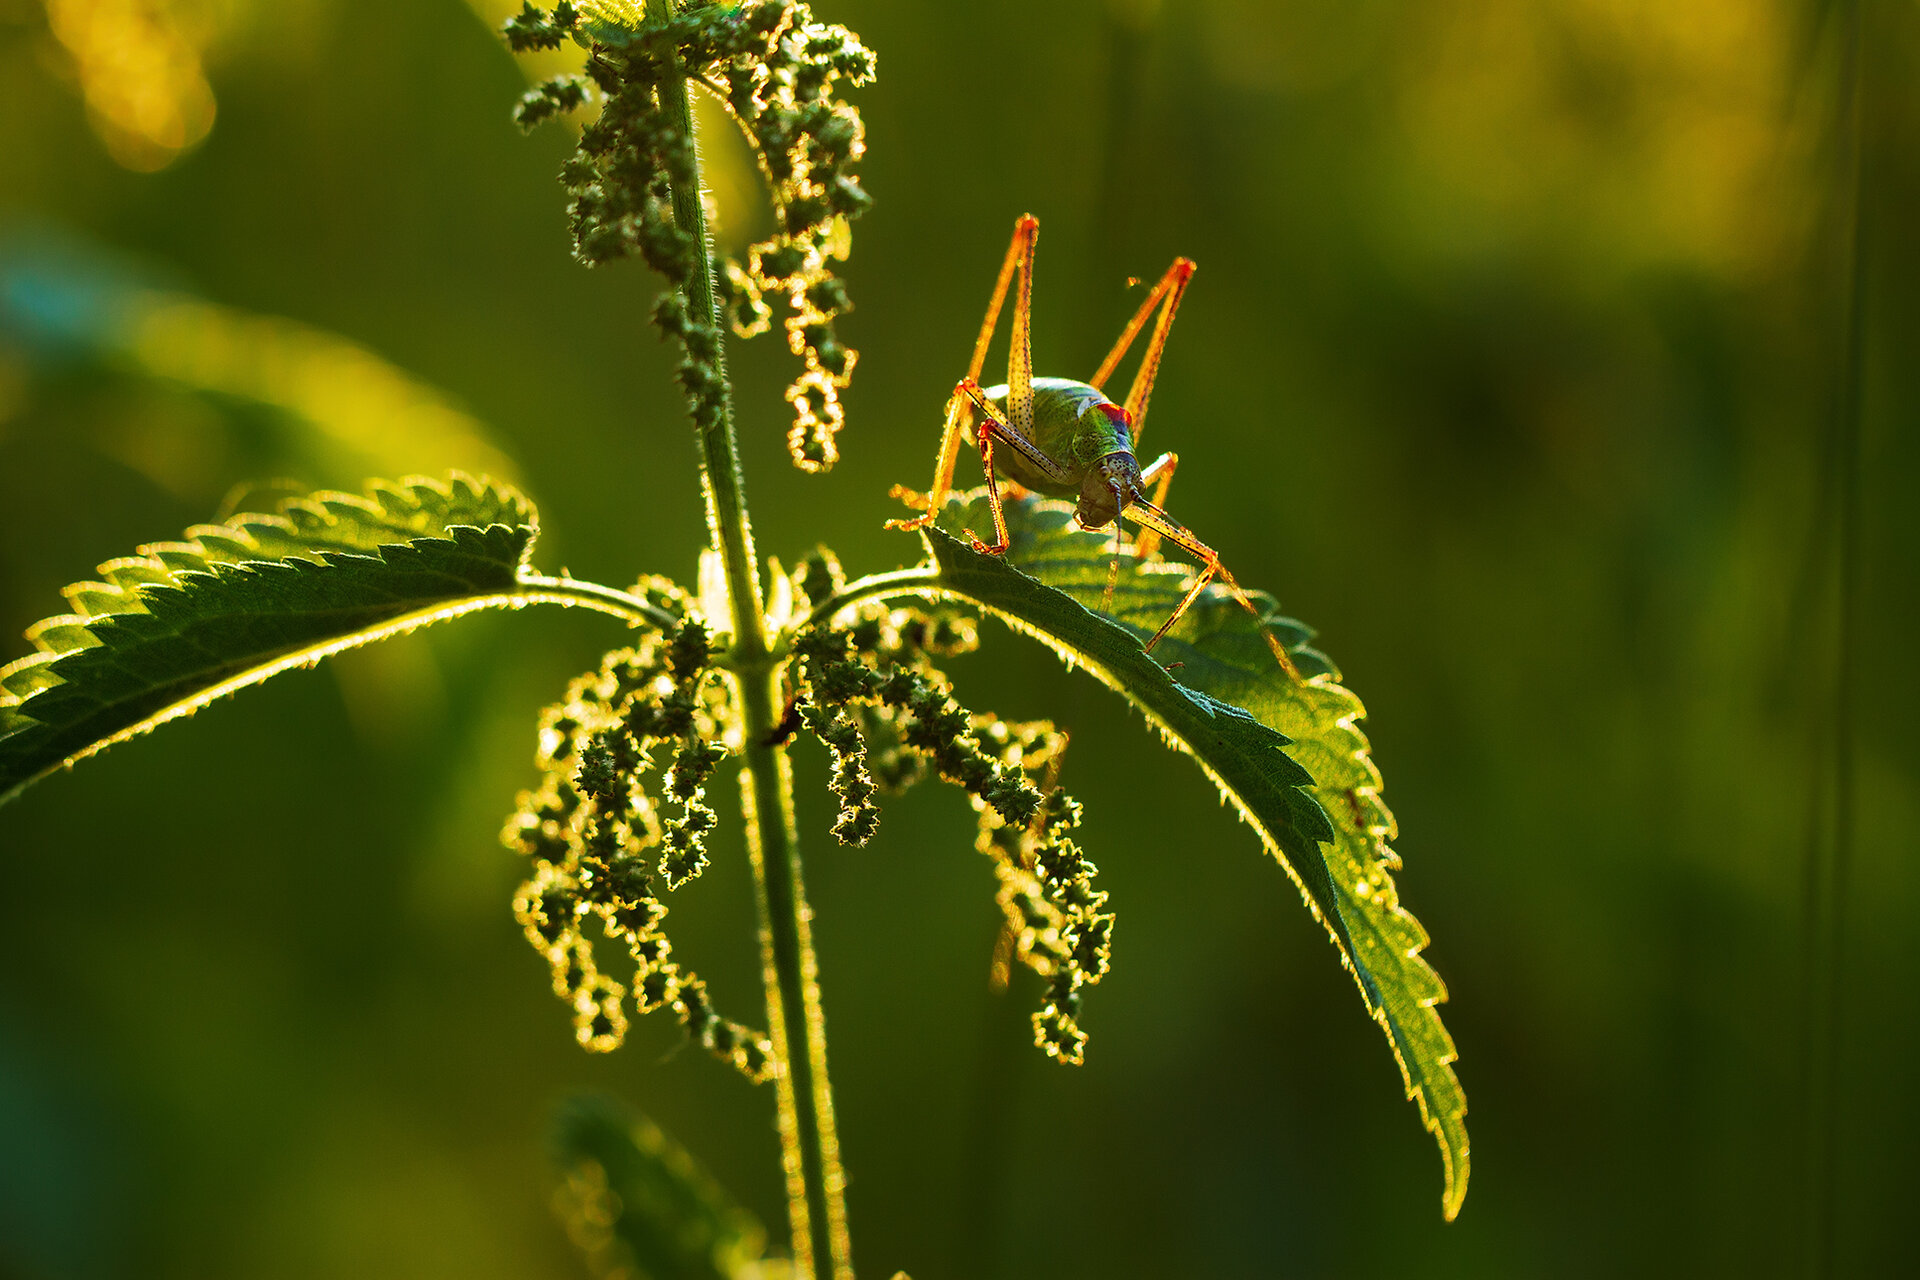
[
  {"x": 778, "y": 72},
  {"x": 591, "y": 827},
  {"x": 871, "y": 694},
  {"x": 1054, "y": 924}
]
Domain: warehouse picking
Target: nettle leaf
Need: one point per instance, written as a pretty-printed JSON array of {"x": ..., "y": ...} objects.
[
  {"x": 1287, "y": 753},
  {"x": 166, "y": 631},
  {"x": 640, "y": 1205}
]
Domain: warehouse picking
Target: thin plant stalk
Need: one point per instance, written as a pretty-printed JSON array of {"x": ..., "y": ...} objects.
[{"x": 810, "y": 1147}]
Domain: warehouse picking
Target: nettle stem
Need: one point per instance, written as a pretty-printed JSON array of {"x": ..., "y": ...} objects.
[{"x": 810, "y": 1148}]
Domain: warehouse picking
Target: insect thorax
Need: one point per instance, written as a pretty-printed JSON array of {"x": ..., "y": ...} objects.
[{"x": 1073, "y": 424}]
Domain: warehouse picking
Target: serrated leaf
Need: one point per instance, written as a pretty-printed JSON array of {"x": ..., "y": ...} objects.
[
  {"x": 182, "y": 623},
  {"x": 1288, "y": 754},
  {"x": 640, "y": 1205},
  {"x": 610, "y": 22}
]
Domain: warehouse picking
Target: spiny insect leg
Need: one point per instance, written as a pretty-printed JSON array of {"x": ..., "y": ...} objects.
[
  {"x": 1019, "y": 254},
  {"x": 959, "y": 418},
  {"x": 1172, "y": 285},
  {"x": 1020, "y": 351},
  {"x": 992, "y": 430},
  {"x": 1026, "y": 233},
  {"x": 1000, "y": 540},
  {"x": 1146, "y": 513}
]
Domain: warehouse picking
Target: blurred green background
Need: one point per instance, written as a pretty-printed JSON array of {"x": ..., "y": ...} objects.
[{"x": 1518, "y": 363}]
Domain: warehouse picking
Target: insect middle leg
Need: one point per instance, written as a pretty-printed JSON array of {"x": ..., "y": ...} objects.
[{"x": 992, "y": 432}]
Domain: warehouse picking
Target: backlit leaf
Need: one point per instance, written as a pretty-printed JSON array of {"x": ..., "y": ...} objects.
[
  {"x": 637, "y": 1203},
  {"x": 169, "y": 629},
  {"x": 1287, "y": 753}
]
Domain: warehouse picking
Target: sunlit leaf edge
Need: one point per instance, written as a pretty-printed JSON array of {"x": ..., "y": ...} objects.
[
  {"x": 333, "y": 570},
  {"x": 1344, "y": 873}
]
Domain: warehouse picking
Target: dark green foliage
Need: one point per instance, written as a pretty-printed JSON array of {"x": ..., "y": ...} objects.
[
  {"x": 532, "y": 28},
  {"x": 637, "y": 1204},
  {"x": 859, "y": 814},
  {"x": 629, "y": 753},
  {"x": 1287, "y": 753},
  {"x": 182, "y": 623},
  {"x": 548, "y": 99},
  {"x": 592, "y": 830}
]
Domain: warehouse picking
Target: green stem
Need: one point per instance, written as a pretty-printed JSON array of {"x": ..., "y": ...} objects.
[
  {"x": 810, "y": 1149},
  {"x": 720, "y": 477},
  {"x": 539, "y": 589},
  {"x": 1829, "y": 867},
  {"x": 922, "y": 580},
  {"x": 816, "y": 1183}
]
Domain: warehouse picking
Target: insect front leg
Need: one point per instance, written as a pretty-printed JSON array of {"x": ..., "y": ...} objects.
[
  {"x": 1150, "y": 516},
  {"x": 988, "y": 434},
  {"x": 1161, "y": 469}
]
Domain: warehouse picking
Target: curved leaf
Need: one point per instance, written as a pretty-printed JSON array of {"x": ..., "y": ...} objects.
[
  {"x": 640, "y": 1205},
  {"x": 1287, "y": 753},
  {"x": 168, "y": 630}
]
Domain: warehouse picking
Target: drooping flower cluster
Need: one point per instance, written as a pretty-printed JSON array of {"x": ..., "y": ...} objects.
[
  {"x": 778, "y": 71},
  {"x": 592, "y": 831},
  {"x": 871, "y": 694}
]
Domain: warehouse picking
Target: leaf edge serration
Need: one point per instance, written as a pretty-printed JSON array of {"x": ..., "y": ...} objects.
[
  {"x": 393, "y": 522},
  {"x": 1357, "y": 839}
]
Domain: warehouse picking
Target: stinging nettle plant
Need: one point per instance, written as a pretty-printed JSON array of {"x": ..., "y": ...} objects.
[{"x": 726, "y": 676}]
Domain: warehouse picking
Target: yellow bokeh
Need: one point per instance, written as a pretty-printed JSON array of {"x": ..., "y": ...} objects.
[
  {"x": 342, "y": 391},
  {"x": 138, "y": 67}
]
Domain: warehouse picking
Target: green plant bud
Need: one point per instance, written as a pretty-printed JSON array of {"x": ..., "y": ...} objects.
[
  {"x": 670, "y": 313},
  {"x": 828, "y": 295},
  {"x": 573, "y": 970},
  {"x": 800, "y": 214},
  {"x": 756, "y": 1059},
  {"x": 531, "y": 30},
  {"x": 600, "y": 1023},
  {"x": 1093, "y": 946},
  {"x": 1056, "y": 1032},
  {"x": 598, "y": 777},
  {"x": 817, "y": 576},
  {"x": 781, "y": 263},
  {"x": 655, "y": 990},
  {"x": 688, "y": 654},
  {"x": 847, "y": 197}
]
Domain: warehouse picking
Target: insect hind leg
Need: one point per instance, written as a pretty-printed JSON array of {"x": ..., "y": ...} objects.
[{"x": 1165, "y": 298}]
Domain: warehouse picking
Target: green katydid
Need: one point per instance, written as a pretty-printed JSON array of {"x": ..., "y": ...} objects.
[{"x": 1066, "y": 439}]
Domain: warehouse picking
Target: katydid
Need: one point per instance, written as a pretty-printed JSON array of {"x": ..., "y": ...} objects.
[{"x": 1066, "y": 439}]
